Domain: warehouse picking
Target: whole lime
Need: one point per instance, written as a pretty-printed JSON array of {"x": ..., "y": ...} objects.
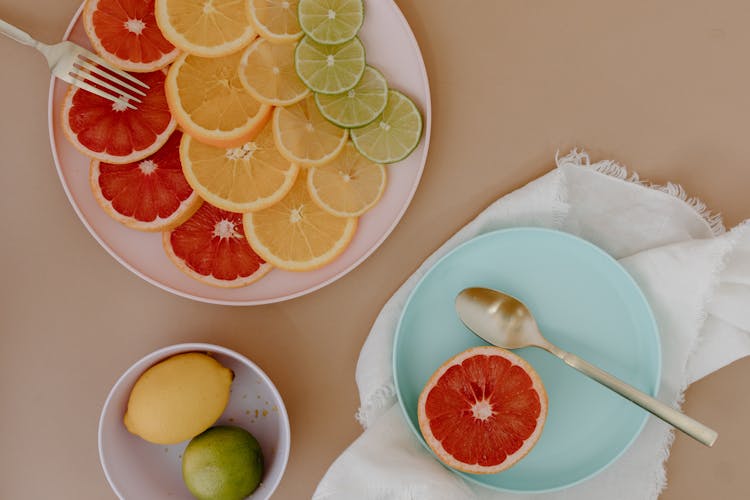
[{"x": 223, "y": 463}]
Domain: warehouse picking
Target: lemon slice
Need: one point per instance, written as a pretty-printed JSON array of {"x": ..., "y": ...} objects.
[
  {"x": 394, "y": 134},
  {"x": 267, "y": 72},
  {"x": 296, "y": 234},
  {"x": 359, "y": 106},
  {"x": 275, "y": 20},
  {"x": 208, "y": 101},
  {"x": 349, "y": 185},
  {"x": 250, "y": 177},
  {"x": 208, "y": 28},
  {"x": 330, "y": 69},
  {"x": 304, "y": 136},
  {"x": 331, "y": 21}
]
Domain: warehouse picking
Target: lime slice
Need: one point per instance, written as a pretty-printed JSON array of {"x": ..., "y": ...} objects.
[
  {"x": 359, "y": 106},
  {"x": 330, "y": 69},
  {"x": 394, "y": 134},
  {"x": 331, "y": 21}
]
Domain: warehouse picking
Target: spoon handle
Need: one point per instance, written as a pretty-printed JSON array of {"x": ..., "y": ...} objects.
[{"x": 689, "y": 426}]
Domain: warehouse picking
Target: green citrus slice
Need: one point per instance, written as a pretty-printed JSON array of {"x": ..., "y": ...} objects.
[
  {"x": 394, "y": 134},
  {"x": 358, "y": 106},
  {"x": 330, "y": 69},
  {"x": 331, "y": 21}
]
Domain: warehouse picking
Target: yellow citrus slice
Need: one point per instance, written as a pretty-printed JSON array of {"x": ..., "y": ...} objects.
[
  {"x": 267, "y": 72},
  {"x": 304, "y": 136},
  {"x": 208, "y": 28},
  {"x": 275, "y": 20},
  {"x": 242, "y": 179},
  {"x": 208, "y": 101},
  {"x": 296, "y": 234},
  {"x": 349, "y": 185}
]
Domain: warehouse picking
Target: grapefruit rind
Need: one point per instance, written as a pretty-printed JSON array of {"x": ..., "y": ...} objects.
[
  {"x": 186, "y": 209},
  {"x": 211, "y": 280},
  {"x": 137, "y": 155},
  {"x": 510, "y": 460},
  {"x": 124, "y": 64},
  {"x": 219, "y": 138}
]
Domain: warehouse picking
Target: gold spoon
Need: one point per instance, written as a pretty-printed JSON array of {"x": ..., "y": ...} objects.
[{"x": 504, "y": 321}]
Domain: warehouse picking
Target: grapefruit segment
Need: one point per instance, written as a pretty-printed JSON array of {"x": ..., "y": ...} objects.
[
  {"x": 112, "y": 133},
  {"x": 483, "y": 410},
  {"x": 148, "y": 195},
  {"x": 211, "y": 247},
  {"x": 125, "y": 33}
]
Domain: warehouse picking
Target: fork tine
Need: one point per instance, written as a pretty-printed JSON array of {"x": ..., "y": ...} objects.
[
  {"x": 96, "y": 69},
  {"x": 97, "y": 80},
  {"x": 101, "y": 62},
  {"x": 95, "y": 90}
]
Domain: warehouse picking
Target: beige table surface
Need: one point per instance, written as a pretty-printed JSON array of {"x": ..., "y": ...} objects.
[{"x": 661, "y": 86}]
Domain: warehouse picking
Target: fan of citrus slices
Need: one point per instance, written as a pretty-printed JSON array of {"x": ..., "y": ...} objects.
[{"x": 261, "y": 139}]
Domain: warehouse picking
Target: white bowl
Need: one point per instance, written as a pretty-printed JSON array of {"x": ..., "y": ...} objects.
[{"x": 137, "y": 469}]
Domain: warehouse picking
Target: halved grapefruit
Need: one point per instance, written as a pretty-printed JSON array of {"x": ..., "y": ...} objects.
[
  {"x": 112, "y": 133},
  {"x": 125, "y": 33},
  {"x": 483, "y": 410},
  {"x": 148, "y": 195},
  {"x": 211, "y": 247}
]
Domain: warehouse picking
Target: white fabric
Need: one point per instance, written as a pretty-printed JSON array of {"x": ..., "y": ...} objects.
[{"x": 695, "y": 275}]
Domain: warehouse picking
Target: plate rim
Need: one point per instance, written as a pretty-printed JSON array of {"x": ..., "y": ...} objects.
[
  {"x": 628, "y": 277},
  {"x": 426, "y": 134}
]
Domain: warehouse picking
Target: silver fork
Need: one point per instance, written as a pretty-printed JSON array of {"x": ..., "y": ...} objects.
[{"x": 78, "y": 66}]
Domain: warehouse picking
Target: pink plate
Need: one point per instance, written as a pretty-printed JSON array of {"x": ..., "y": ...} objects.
[{"x": 392, "y": 48}]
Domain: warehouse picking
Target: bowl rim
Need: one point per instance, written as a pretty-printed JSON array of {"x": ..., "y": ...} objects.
[{"x": 151, "y": 358}]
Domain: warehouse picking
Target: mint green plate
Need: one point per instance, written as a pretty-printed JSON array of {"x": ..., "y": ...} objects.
[{"x": 584, "y": 302}]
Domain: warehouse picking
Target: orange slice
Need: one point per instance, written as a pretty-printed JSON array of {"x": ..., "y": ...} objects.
[
  {"x": 275, "y": 20},
  {"x": 304, "y": 136},
  {"x": 267, "y": 72},
  {"x": 243, "y": 179},
  {"x": 208, "y": 28},
  {"x": 209, "y": 102},
  {"x": 349, "y": 185},
  {"x": 297, "y": 235}
]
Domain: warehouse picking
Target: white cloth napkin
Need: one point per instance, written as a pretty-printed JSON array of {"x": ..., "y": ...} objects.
[{"x": 695, "y": 275}]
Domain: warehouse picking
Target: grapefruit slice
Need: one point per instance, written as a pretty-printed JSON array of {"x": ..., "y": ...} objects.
[
  {"x": 483, "y": 410},
  {"x": 211, "y": 247},
  {"x": 149, "y": 195},
  {"x": 125, "y": 33},
  {"x": 112, "y": 133}
]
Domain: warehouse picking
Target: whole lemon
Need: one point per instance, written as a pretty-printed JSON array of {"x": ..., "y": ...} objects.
[
  {"x": 223, "y": 463},
  {"x": 178, "y": 398}
]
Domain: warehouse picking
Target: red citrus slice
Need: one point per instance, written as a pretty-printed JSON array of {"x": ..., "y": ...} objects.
[
  {"x": 125, "y": 33},
  {"x": 483, "y": 410},
  {"x": 149, "y": 195},
  {"x": 211, "y": 247},
  {"x": 112, "y": 133}
]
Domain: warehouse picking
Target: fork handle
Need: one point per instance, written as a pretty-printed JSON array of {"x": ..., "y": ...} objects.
[{"x": 16, "y": 34}]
